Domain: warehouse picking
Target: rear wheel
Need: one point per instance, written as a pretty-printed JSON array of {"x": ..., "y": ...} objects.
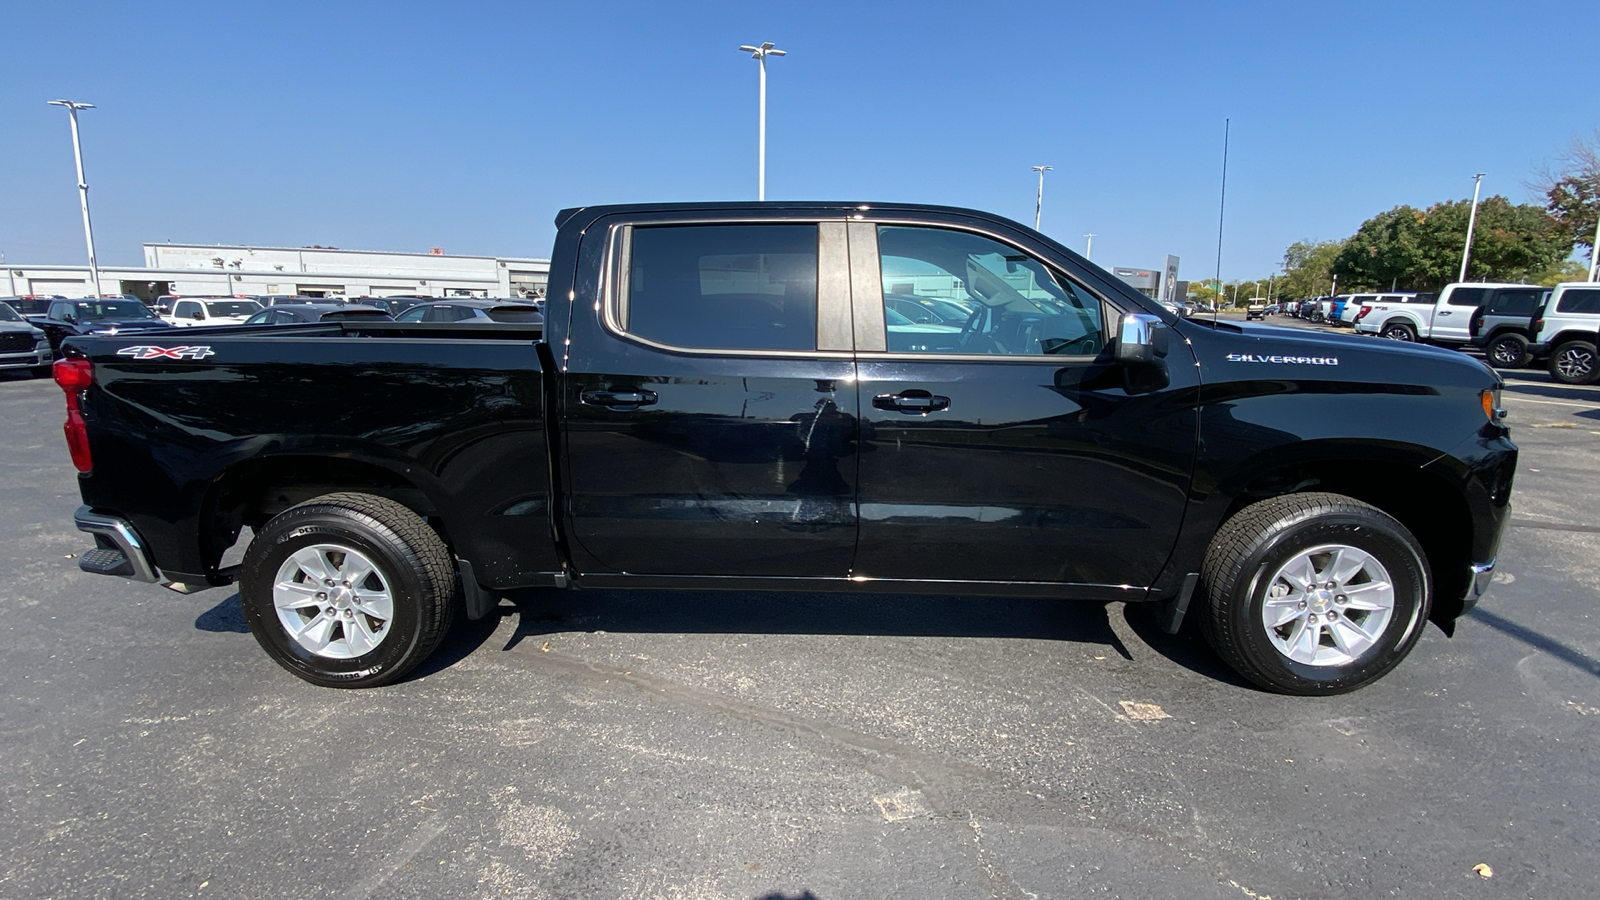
[
  {"x": 1575, "y": 362},
  {"x": 1399, "y": 331},
  {"x": 347, "y": 590},
  {"x": 1314, "y": 593},
  {"x": 1508, "y": 351}
]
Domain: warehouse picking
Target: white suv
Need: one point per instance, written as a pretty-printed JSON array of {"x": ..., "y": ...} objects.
[{"x": 1566, "y": 332}]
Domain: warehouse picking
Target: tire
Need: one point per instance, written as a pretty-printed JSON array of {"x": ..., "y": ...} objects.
[
  {"x": 1508, "y": 351},
  {"x": 345, "y": 641},
  {"x": 1314, "y": 650},
  {"x": 1399, "y": 331},
  {"x": 1575, "y": 362}
]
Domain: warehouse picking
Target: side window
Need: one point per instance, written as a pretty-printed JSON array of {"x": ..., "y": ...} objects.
[
  {"x": 1519, "y": 302},
  {"x": 1467, "y": 297},
  {"x": 990, "y": 297},
  {"x": 414, "y": 314},
  {"x": 722, "y": 287},
  {"x": 1579, "y": 300},
  {"x": 186, "y": 310}
]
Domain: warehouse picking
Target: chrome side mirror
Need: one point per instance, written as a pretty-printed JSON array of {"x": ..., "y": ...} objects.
[{"x": 1141, "y": 339}]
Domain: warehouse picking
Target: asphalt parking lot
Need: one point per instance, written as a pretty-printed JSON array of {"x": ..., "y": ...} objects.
[{"x": 649, "y": 745}]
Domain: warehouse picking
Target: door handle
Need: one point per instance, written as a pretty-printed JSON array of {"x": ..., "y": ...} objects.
[
  {"x": 913, "y": 401},
  {"x": 1444, "y": 312},
  {"x": 619, "y": 400}
]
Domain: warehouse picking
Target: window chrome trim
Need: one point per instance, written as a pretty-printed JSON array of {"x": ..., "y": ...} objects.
[
  {"x": 1105, "y": 329},
  {"x": 614, "y": 283}
]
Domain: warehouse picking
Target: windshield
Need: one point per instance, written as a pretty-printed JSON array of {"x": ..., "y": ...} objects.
[
  {"x": 7, "y": 314},
  {"x": 232, "y": 307},
  {"x": 95, "y": 310}
]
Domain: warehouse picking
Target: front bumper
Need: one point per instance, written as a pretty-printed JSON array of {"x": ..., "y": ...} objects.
[
  {"x": 33, "y": 359},
  {"x": 1482, "y": 575}
]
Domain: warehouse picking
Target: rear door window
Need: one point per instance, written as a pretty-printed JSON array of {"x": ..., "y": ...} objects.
[
  {"x": 1579, "y": 300},
  {"x": 721, "y": 287},
  {"x": 1470, "y": 296}
]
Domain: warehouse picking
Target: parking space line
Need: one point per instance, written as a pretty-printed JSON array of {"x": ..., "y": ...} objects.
[{"x": 1551, "y": 402}]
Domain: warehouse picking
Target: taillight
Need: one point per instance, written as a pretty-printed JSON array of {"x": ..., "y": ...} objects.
[
  {"x": 75, "y": 376},
  {"x": 1363, "y": 313}
]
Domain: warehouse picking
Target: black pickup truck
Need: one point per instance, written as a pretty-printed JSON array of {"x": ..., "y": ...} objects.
[{"x": 722, "y": 396}]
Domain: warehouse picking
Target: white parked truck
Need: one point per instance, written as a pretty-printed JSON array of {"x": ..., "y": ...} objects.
[{"x": 1445, "y": 318}]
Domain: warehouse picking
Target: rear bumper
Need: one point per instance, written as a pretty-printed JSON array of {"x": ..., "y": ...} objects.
[{"x": 118, "y": 548}]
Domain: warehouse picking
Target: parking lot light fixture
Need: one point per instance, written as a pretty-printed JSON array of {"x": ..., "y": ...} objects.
[
  {"x": 760, "y": 54},
  {"x": 1038, "y": 203},
  {"x": 1472, "y": 222},
  {"x": 1088, "y": 246},
  {"x": 83, "y": 187}
]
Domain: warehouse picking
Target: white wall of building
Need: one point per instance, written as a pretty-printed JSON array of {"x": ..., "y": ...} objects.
[{"x": 195, "y": 269}]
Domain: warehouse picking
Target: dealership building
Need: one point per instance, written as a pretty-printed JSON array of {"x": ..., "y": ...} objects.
[{"x": 220, "y": 270}]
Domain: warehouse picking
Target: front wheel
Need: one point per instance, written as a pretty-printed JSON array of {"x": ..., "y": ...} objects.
[
  {"x": 347, "y": 590},
  {"x": 1575, "y": 362},
  {"x": 1508, "y": 351},
  {"x": 1399, "y": 331},
  {"x": 1314, "y": 593}
]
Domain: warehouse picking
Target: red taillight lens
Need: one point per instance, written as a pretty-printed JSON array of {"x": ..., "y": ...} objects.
[
  {"x": 75, "y": 376},
  {"x": 1363, "y": 313}
]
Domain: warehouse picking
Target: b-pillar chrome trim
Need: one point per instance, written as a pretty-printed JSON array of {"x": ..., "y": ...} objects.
[{"x": 122, "y": 535}]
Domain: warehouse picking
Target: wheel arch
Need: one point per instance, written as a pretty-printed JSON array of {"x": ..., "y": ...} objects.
[
  {"x": 251, "y": 491},
  {"x": 1389, "y": 476}
]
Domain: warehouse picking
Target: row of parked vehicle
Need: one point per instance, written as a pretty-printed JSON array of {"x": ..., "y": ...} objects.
[
  {"x": 32, "y": 328},
  {"x": 1515, "y": 325}
]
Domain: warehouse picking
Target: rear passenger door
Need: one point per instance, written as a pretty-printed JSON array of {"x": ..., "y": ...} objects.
[
  {"x": 710, "y": 401},
  {"x": 1452, "y": 319},
  {"x": 1011, "y": 448}
]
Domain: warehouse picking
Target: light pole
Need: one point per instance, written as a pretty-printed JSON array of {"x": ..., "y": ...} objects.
[
  {"x": 760, "y": 54},
  {"x": 1038, "y": 203},
  {"x": 1088, "y": 247},
  {"x": 83, "y": 187},
  {"x": 11, "y": 283},
  {"x": 1472, "y": 222}
]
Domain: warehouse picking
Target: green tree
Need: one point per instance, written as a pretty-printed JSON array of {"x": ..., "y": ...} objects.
[
  {"x": 1307, "y": 269},
  {"x": 1572, "y": 191},
  {"x": 1421, "y": 249}
]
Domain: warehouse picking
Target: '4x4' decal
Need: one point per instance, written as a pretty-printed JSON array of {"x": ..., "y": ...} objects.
[{"x": 147, "y": 352}]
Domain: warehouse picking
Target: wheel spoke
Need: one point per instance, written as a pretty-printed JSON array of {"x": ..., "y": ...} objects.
[
  {"x": 295, "y": 594},
  {"x": 1370, "y": 596},
  {"x": 355, "y": 570},
  {"x": 1282, "y": 612},
  {"x": 1301, "y": 573},
  {"x": 1304, "y": 645},
  {"x": 1345, "y": 563},
  {"x": 314, "y": 636},
  {"x": 378, "y": 606},
  {"x": 1349, "y": 637},
  {"x": 314, "y": 562},
  {"x": 359, "y": 636}
]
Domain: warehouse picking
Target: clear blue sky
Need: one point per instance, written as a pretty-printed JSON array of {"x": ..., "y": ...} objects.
[{"x": 403, "y": 125}]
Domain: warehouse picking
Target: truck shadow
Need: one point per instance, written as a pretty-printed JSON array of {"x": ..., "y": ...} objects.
[
  {"x": 542, "y": 612},
  {"x": 547, "y": 612}
]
